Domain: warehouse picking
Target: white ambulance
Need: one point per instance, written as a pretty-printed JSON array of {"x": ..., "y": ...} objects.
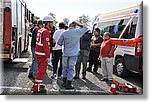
[{"x": 124, "y": 24}]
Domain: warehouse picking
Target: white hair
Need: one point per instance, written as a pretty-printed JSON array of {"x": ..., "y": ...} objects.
[{"x": 106, "y": 35}]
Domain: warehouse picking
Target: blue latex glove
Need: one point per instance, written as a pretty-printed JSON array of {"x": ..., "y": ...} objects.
[{"x": 48, "y": 60}]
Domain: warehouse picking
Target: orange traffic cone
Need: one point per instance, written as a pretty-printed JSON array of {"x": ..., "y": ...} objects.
[{"x": 113, "y": 88}]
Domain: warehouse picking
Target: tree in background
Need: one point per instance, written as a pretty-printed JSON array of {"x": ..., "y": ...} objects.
[
  {"x": 84, "y": 20},
  {"x": 36, "y": 17},
  {"x": 66, "y": 21},
  {"x": 54, "y": 17},
  {"x": 96, "y": 18},
  {"x": 35, "y": 20}
]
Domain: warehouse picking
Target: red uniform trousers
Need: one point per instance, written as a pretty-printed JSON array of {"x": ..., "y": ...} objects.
[{"x": 42, "y": 66}]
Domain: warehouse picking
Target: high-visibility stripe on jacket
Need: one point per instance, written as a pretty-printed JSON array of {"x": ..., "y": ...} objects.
[{"x": 43, "y": 43}]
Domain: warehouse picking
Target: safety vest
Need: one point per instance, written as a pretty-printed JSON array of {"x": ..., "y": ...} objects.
[{"x": 42, "y": 43}]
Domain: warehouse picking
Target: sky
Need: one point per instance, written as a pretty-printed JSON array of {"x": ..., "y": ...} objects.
[{"x": 72, "y": 9}]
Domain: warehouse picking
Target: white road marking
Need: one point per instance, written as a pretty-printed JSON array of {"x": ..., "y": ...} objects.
[
  {"x": 66, "y": 90},
  {"x": 82, "y": 91},
  {"x": 23, "y": 60},
  {"x": 16, "y": 88},
  {"x": 55, "y": 90}
]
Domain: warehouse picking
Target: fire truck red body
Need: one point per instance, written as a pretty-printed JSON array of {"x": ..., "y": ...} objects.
[{"x": 14, "y": 28}]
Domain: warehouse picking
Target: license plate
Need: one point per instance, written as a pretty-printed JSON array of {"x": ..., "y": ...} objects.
[{"x": 5, "y": 56}]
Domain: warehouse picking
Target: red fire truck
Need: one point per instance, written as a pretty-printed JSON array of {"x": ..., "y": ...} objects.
[{"x": 15, "y": 19}]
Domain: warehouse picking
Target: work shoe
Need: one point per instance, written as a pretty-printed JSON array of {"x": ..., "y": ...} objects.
[
  {"x": 38, "y": 88},
  {"x": 31, "y": 77},
  {"x": 54, "y": 76},
  {"x": 69, "y": 85},
  {"x": 42, "y": 91},
  {"x": 64, "y": 84},
  {"x": 104, "y": 79},
  {"x": 76, "y": 77},
  {"x": 83, "y": 77},
  {"x": 95, "y": 72},
  {"x": 89, "y": 69},
  {"x": 110, "y": 80},
  {"x": 59, "y": 77}
]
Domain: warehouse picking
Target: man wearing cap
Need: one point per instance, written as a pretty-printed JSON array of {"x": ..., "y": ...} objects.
[{"x": 71, "y": 41}]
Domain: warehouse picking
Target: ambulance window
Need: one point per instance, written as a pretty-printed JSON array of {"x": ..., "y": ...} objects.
[
  {"x": 118, "y": 27},
  {"x": 130, "y": 32},
  {"x": 132, "y": 29},
  {"x": 101, "y": 26},
  {"x": 126, "y": 33},
  {"x": 105, "y": 27}
]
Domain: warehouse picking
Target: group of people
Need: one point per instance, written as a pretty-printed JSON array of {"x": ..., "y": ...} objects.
[{"x": 72, "y": 47}]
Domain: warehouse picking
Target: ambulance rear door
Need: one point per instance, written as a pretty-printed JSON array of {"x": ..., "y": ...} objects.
[{"x": 128, "y": 53}]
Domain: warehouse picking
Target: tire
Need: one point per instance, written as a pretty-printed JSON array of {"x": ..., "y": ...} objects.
[{"x": 120, "y": 68}]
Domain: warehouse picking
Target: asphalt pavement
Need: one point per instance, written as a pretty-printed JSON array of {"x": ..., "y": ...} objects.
[{"x": 16, "y": 82}]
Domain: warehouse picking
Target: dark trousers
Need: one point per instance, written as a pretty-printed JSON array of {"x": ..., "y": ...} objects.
[
  {"x": 57, "y": 57},
  {"x": 93, "y": 60},
  {"x": 82, "y": 58}
]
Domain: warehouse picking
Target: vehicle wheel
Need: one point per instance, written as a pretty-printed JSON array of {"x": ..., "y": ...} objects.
[{"x": 121, "y": 68}]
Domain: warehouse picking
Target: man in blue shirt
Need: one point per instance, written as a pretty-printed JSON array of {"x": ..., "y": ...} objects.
[{"x": 71, "y": 41}]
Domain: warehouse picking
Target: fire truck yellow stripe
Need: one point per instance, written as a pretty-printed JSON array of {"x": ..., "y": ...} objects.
[{"x": 4, "y": 56}]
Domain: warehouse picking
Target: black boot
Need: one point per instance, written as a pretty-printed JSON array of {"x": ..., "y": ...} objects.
[
  {"x": 69, "y": 85},
  {"x": 43, "y": 90},
  {"x": 38, "y": 89},
  {"x": 31, "y": 77},
  {"x": 89, "y": 69},
  {"x": 84, "y": 77},
  {"x": 76, "y": 77},
  {"x": 64, "y": 82}
]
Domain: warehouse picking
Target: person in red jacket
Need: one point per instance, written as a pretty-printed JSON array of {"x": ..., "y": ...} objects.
[
  {"x": 106, "y": 55},
  {"x": 42, "y": 53}
]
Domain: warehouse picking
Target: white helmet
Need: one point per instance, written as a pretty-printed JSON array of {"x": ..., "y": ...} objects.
[{"x": 48, "y": 18}]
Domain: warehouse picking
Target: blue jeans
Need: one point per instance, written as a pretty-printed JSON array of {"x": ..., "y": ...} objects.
[
  {"x": 68, "y": 67},
  {"x": 34, "y": 65}
]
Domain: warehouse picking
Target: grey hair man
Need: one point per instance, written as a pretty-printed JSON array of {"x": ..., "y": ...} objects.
[{"x": 106, "y": 55}]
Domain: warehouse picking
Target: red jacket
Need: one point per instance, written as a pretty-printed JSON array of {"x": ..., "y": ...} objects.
[
  {"x": 42, "y": 48},
  {"x": 106, "y": 47}
]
